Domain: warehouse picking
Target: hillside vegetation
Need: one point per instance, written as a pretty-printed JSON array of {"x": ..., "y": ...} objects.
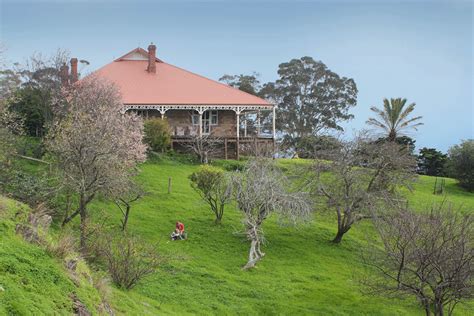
[{"x": 302, "y": 272}]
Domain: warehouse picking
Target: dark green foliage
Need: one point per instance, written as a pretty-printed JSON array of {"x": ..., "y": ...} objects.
[
  {"x": 24, "y": 186},
  {"x": 461, "y": 164},
  {"x": 315, "y": 146},
  {"x": 36, "y": 97},
  {"x": 34, "y": 105},
  {"x": 246, "y": 83},
  {"x": 310, "y": 97},
  {"x": 230, "y": 165},
  {"x": 431, "y": 162},
  {"x": 157, "y": 134}
]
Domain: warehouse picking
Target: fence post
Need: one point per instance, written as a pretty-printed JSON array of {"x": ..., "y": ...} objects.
[{"x": 169, "y": 185}]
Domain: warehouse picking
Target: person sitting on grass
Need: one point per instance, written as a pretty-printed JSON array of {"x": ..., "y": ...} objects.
[{"x": 178, "y": 232}]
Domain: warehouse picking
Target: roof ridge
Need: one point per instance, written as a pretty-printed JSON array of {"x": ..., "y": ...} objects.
[{"x": 137, "y": 50}]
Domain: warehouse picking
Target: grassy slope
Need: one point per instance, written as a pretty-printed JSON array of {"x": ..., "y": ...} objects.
[
  {"x": 31, "y": 281},
  {"x": 302, "y": 273}
]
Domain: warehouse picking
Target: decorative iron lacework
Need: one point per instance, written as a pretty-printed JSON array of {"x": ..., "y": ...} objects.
[{"x": 199, "y": 108}]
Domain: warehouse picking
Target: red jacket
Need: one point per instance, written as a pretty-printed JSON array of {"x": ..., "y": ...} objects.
[{"x": 180, "y": 227}]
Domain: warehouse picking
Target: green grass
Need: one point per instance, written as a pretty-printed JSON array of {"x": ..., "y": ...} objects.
[
  {"x": 31, "y": 281},
  {"x": 302, "y": 272}
]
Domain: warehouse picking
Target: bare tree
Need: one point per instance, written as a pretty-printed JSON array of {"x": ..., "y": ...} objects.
[
  {"x": 359, "y": 173},
  {"x": 130, "y": 259},
  {"x": 426, "y": 255},
  {"x": 133, "y": 192},
  {"x": 96, "y": 147},
  {"x": 260, "y": 190},
  {"x": 204, "y": 147}
]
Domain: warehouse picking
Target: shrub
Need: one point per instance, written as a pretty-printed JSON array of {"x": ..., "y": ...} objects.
[
  {"x": 427, "y": 255},
  {"x": 26, "y": 187},
  {"x": 316, "y": 146},
  {"x": 157, "y": 134},
  {"x": 129, "y": 259},
  {"x": 461, "y": 163},
  {"x": 230, "y": 165},
  {"x": 214, "y": 188}
]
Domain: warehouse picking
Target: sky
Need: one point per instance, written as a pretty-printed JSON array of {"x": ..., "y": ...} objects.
[{"x": 419, "y": 50}]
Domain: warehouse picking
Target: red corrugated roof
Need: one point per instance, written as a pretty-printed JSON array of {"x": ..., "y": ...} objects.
[{"x": 170, "y": 84}]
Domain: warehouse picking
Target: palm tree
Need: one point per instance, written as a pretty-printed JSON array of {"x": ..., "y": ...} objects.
[{"x": 393, "y": 119}]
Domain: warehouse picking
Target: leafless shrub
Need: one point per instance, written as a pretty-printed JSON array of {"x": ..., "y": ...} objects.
[
  {"x": 204, "y": 147},
  {"x": 260, "y": 190},
  {"x": 130, "y": 259},
  {"x": 359, "y": 173},
  {"x": 125, "y": 198},
  {"x": 426, "y": 255}
]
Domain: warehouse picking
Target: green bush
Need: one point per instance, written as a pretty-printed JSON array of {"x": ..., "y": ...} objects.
[
  {"x": 157, "y": 134},
  {"x": 316, "y": 147},
  {"x": 461, "y": 164},
  {"x": 212, "y": 185},
  {"x": 230, "y": 165}
]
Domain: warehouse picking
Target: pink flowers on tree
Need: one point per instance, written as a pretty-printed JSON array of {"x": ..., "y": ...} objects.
[{"x": 96, "y": 146}]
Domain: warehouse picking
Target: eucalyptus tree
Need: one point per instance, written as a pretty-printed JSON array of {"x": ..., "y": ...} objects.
[
  {"x": 310, "y": 98},
  {"x": 247, "y": 83},
  {"x": 394, "y": 119}
]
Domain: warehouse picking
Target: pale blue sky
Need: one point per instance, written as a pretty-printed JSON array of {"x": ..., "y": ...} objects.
[{"x": 422, "y": 51}]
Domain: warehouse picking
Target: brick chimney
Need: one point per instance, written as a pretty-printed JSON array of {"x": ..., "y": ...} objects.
[
  {"x": 151, "y": 58},
  {"x": 64, "y": 75},
  {"x": 74, "y": 74}
]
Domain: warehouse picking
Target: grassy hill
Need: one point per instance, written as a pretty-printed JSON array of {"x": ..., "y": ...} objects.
[
  {"x": 302, "y": 272},
  {"x": 31, "y": 281}
]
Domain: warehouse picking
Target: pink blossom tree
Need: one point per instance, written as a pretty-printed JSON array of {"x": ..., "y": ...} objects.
[{"x": 96, "y": 146}]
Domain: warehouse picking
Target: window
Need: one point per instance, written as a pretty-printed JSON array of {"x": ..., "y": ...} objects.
[
  {"x": 195, "y": 119},
  {"x": 209, "y": 118},
  {"x": 213, "y": 115}
]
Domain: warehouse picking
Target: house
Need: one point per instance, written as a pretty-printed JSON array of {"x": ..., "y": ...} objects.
[{"x": 194, "y": 106}]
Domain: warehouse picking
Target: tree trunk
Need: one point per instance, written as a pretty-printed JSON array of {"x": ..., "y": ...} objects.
[
  {"x": 426, "y": 306},
  {"x": 125, "y": 217},
  {"x": 219, "y": 214},
  {"x": 338, "y": 237},
  {"x": 83, "y": 226},
  {"x": 254, "y": 254},
  {"x": 438, "y": 307},
  {"x": 340, "y": 233}
]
